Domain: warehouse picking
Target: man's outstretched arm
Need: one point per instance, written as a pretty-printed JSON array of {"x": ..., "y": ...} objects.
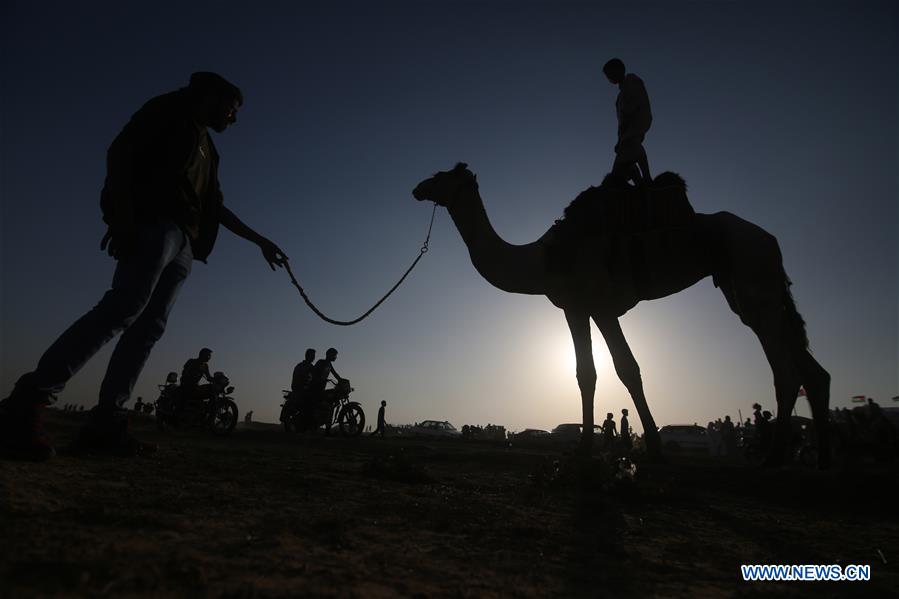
[{"x": 272, "y": 253}]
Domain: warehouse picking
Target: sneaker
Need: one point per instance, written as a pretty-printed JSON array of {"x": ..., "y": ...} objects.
[
  {"x": 22, "y": 434},
  {"x": 108, "y": 432}
]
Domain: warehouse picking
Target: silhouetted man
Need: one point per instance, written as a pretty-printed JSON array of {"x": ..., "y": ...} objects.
[
  {"x": 163, "y": 206},
  {"x": 634, "y": 120},
  {"x": 322, "y": 370},
  {"x": 763, "y": 428},
  {"x": 194, "y": 371},
  {"x": 625, "y": 430},
  {"x": 608, "y": 431},
  {"x": 729, "y": 437},
  {"x": 381, "y": 423},
  {"x": 298, "y": 400},
  {"x": 320, "y": 373},
  {"x": 302, "y": 374},
  {"x": 139, "y": 405},
  {"x": 756, "y": 413}
]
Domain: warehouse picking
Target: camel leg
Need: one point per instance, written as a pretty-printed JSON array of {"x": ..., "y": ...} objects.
[
  {"x": 816, "y": 381},
  {"x": 787, "y": 381},
  {"x": 629, "y": 372},
  {"x": 579, "y": 325}
]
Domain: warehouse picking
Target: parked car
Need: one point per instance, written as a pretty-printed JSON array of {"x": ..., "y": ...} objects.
[
  {"x": 684, "y": 437},
  {"x": 435, "y": 428},
  {"x": 572, "y": 432},
  {"x": 567, "y": 432},
  {"x": 532, "y": 433}
]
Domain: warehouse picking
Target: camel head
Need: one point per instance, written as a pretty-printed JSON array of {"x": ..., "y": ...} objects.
[{"x": 445, "y": 186}]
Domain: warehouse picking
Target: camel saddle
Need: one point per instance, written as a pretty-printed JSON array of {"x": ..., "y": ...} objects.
[{"x": 617, "y": 209}]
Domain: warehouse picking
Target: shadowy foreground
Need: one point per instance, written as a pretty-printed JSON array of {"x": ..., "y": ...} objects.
[{"x": 262, "y": 514}]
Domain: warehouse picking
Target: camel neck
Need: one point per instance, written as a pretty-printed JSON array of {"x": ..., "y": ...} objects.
[{"x": 511, "y": 268}]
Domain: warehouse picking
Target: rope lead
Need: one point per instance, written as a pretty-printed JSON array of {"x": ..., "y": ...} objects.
[{"x": 346, "y": 323}]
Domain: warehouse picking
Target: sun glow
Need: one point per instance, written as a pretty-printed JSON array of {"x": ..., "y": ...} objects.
[
  {"x": 565, "y": 360},
  {"x": 560, "y": 368}
]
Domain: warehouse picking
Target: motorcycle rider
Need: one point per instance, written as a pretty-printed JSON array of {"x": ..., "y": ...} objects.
[
  {"x": 299, "y": 385},
  {"x": 195, "y": 370},
  {"x": 320, "y": 373},
  {"x": 322, "y": 370},
  {"x": 302, "y": 374}
]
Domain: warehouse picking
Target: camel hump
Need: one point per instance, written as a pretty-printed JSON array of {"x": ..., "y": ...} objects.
[
  {"x": 615, "y": 207},
  {"x": 669, "y": 179}
]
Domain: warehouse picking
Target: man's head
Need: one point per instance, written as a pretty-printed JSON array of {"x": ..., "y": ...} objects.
[
  {"x": 215, "y": 99},
  {"x": 383, "y": 403},
  {"x": 609, "y": 416},
  {"x": 624, "y": 412},
  {"x": 310, "y": 354},
  {"x": 614, "y": 71},
  {"x": 331, "y": 354},
  {"x": 205, "y": 354}
]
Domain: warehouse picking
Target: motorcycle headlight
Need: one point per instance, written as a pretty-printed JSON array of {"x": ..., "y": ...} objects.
[{"x": 229, "y": 390}]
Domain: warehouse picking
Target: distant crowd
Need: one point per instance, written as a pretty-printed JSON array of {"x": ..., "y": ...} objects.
[{"x": 862, "y": 429}]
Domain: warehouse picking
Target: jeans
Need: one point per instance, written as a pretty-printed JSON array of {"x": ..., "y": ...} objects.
[{"x": 144, "y": 288}]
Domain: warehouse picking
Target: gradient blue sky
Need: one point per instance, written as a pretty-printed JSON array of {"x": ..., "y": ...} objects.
[{"x": 783, "y": 113}]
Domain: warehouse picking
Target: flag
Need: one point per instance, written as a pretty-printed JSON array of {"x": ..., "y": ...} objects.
[
  {"x": 802, "y": 392},
  {"x": 858, "y": 399}
]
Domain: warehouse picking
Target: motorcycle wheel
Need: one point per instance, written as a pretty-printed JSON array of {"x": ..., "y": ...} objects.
[
  {"x": 225, "y": 417},
  {"x": 351, "y": 420}
]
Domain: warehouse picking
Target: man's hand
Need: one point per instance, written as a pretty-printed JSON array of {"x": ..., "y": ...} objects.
[
  {"x": 272, "y": 253},
  {"x": 118, "y": 242}
]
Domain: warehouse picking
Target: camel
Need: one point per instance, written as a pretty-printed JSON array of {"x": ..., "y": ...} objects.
[{"x": 743, "y": 259}]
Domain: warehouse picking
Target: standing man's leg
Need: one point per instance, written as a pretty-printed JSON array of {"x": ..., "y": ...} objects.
[
  {"x": 625, "y": 165},
  {"x": 136, "y": 343},
  {"x": 108, "y": 428},
  {"x": 643, "y": 162},
  {"x": 631, "y": 162},
  {"x": 132, "y": 288}
]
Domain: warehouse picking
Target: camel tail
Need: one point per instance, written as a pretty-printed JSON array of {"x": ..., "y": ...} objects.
[{"x": 794, "y": 318}]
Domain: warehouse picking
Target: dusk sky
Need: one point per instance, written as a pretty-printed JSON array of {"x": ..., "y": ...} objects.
[{"x": 783, "y": 113}]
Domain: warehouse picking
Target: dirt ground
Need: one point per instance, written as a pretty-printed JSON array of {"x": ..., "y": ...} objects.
[{"x": 261, "y": 514}]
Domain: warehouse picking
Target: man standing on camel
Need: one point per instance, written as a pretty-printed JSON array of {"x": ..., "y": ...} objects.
[{"x": 634, "y": 120}]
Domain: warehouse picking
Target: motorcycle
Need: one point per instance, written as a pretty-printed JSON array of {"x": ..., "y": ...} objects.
[
  {"x": 217, "y": 413},
  {"x": 333, "y": 408}
]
